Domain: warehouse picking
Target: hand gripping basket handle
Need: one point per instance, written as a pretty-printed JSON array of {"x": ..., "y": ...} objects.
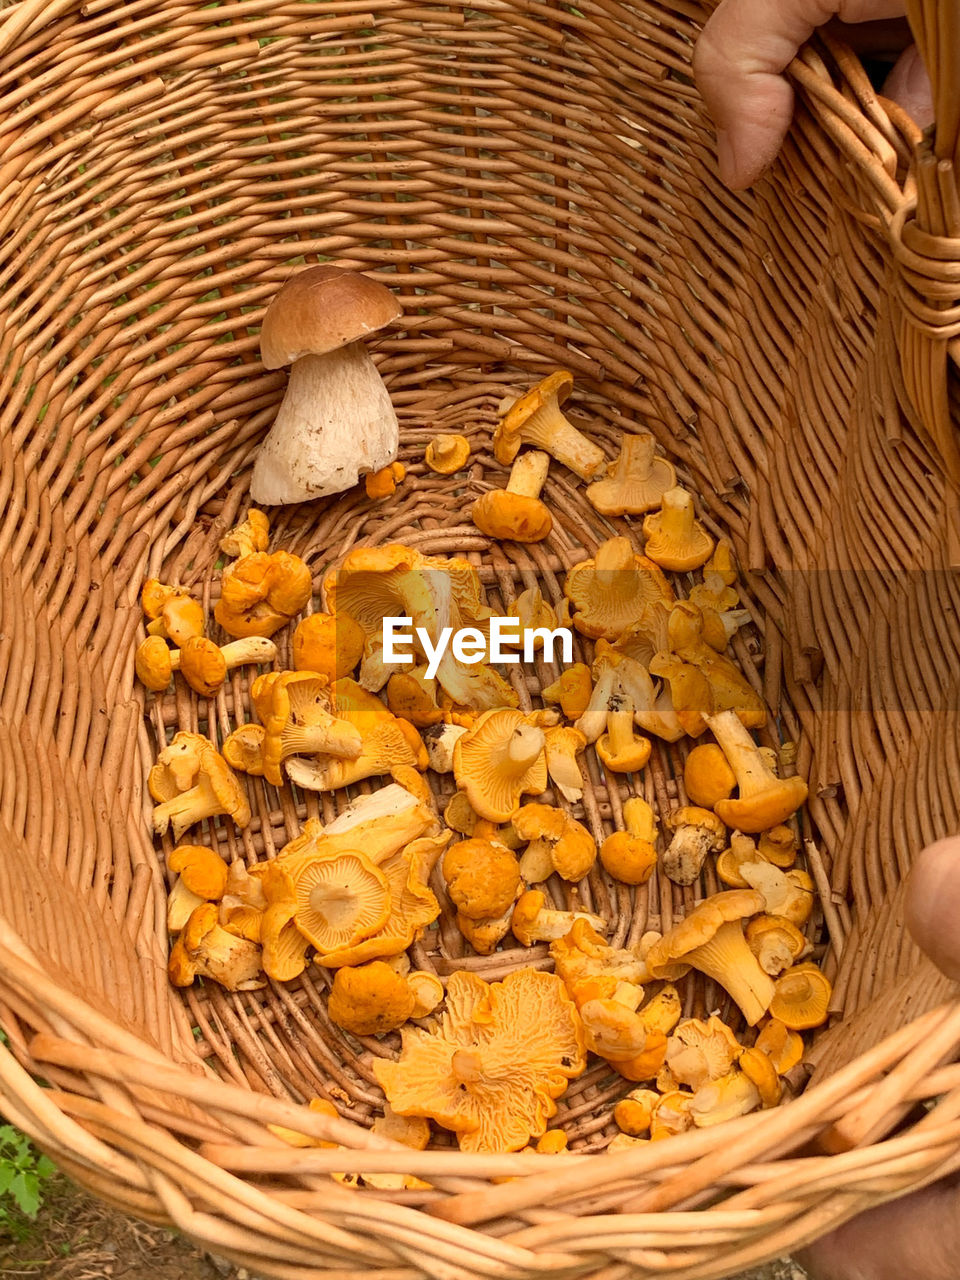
[{"x": 925, "y": 238}]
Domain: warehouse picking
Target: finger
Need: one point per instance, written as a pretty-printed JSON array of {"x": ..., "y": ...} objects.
[
  {"x": 933, "y": 904},
  {"x": 738, "y": 61},
  {"x": 916, "y": 1238},
  {"x": 909, "y": 84}
]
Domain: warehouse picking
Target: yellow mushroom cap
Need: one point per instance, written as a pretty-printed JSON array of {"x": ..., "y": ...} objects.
[
  {"x": 202, "y": 870},
  {"x": 634, "y": 1113},
  {"x": 779, "y": 846},
  {"x": 341, "y": 900},
  {"x": 328, "y": 643},
  {"x": 192, "y": 781},
  {"x": 801, "y": 997},
  {"x": 783, "y": 1046},
  {"x": 252, "y": 534},
  {"x": 675, "y": 538},
  {"x": 261, "y": 592},
  {"x": 628, "y": 858},
  {"x": 412, "y": 697},
  {"x": 700, "y": 1051},
  {"x": 662, "y": 1012},
  {"x": 383, "y": 483},
  {"x": 493, "y": 1067},
  {"x": 370, "y": 1000},
  {"x": 775, "y": 941},
  {"x": 153, "y": 664},
  {"x": 707, "y": 777},
  {"x": 557, "y": 842},
  {"x": 446, "y": 454},
  {"x": 498, "y": 760},
  {"x": 572, "y": 690},
  {"x": 608, "y": 592},
  {"x": 243, "y": 749},
  {"x": 202, "y": 665},
  {"x": 482, "y": 878},
  {"x": 711, "y": 939},
  {"x": 758, "y": 1068},
  {"x": 515, "y": 516},
  {"x": 636, "y": 481},
  {"x": 284, "y": 945}
]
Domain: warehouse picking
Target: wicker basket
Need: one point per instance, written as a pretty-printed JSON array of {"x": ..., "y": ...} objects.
[{"x": 537, "y": 182}]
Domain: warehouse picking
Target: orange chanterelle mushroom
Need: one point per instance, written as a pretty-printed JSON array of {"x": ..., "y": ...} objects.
[{"x": 502, "y": 1054}]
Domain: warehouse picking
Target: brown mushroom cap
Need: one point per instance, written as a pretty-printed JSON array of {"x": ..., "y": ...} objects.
[{"x": 320, "y": 310}]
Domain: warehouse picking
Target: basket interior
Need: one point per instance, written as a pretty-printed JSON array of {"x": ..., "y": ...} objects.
[{"x": 537, "y": 184}]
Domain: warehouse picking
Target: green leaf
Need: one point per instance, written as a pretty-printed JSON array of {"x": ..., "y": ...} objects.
[
  {"x": 7, "y": 1172},
  {"x": 25, "y": 1190}
]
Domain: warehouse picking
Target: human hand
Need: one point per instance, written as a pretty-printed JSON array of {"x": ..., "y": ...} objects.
[
  {"x": 917, "y": 1237},
  {"x": 738, "y": 64}
]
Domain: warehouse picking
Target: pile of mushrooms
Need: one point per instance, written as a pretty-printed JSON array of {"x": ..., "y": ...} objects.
[{"x": 513, "y": 859}]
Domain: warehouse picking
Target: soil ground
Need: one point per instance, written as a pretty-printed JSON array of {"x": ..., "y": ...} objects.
[{"x": 77, "y": 1238}]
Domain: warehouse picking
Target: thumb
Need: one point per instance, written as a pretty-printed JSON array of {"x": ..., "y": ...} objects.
[
  {"x": 738, "y": 61},
  {"x": 933, "y": 904}
]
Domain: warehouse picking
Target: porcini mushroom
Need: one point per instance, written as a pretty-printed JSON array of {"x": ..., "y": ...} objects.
[
  {"x": 516, "y": 512},
  {"x": 537, "y": 419},
  {"x": 446, "y": 454},
  {"x": 763, "y": 799},
  {"x": 636, "y": 481},
  {"x": 675, "y": 539},
  {"x": 497, "y": 761},
  {"x": 630, "y": 856},
  {"x": 696, "y": 832},
  {"x": 608, "y": 592},
  {"x": 711, "y": 939},
  {"x": 556, "y": 843},
  {"x": 192, "y": 781},
  {"x": 491, "y": 1070},
  {"x": 336, "y": 421}
]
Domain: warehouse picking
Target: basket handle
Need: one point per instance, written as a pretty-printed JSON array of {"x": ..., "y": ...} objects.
[{"x": 925, "y": 237}]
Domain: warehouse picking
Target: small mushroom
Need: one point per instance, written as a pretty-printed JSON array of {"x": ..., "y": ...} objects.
[
  {"x": 711, "y": 939},
  {"x": 631, "y": 856},
  {"x": 446, "y": 454},
  {"x": 336, "y": 421},
  {"x": 636, "y": 481},
  {"x": 779, "y": 846},
  {"x": 696, "y": 832},
  {"x": 383, "y": 483},
  {"x": 763, "y": 799},
  {"x": 413, "y": 697},
  {"x": 758, "y": 1069},
  {"x": 284, "y": 945},
  {"x": 707, "y": 777},
  {"x": 733, "y": 1095},
  {"x": 370, "y": 999},
  {"x": 556, "y": 843},
  {"x": 713, "y": 593},
  {"x": 729, "y": 690},
  {"x": 261, "y": 592},
  {"x": 789, "y": 894},
  {"x": 533, "y": 921},
  {"x": 388, "y": 745},
  {"x": 252, "y": 534},
  {"x": 494, "y": 1065},
  {"x": 537, "y": 419},
  {"x": 535, "y": 615},
  {"x": 297, "y": 721},
  {"x": 201, "y": 877},
  {"x": 485, "y": 935},
  {"x": 653, "y": 708},
  {"x": 740, "y": 850},
  {"x": 563, "y": 743},
  {"x": 675, "y": 539},
  {"x": 782, "y": 1046},
  {"x": 698, "y": 1052},
  {"x": 328, "y": 643},
  {"x": 620, "y": 749},
  {"x": 516, "y": 512},
  {"x": 776, "y": 942},
  {"x": 632, "y": 1115},
  {"x": 482, "y": 878},
  {"x": 608, "y": 592},
  {"x": 439, "y": 740},
  {"x": 203, "y": 664},
  {"x": 192, "y": 781},
  {"x": 589, "y": 966},
  {"x": 671, "y": 1115},
  {"x": 497, "y": 761},
  {"x": 662, "y": 1012},
  {"x": 606, "y": 689},
  {"x": 206, "y": 950},
  {"x": 801, "y": 997},
  {"x": 691, "y": 695},
  {"x": 243, "y": 749},
  {"x": 174, "y": 614},
  {"x": 572, "y": 690}
]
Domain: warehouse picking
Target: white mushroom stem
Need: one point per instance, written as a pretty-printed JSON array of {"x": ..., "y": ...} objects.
[
  {"x": 334, "y": 425},
  {"x": 528, "y": 474},
  {"x": 238, "y": 653},
  {"x": 521, "y": 751},
  {"x": 594, "y": 720},
  {"x": 614, "y": 557}
]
